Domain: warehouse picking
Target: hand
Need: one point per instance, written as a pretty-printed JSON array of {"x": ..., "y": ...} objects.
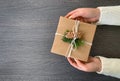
[
  {"x": 93, "y": 64},
  {"x": 85, "y": 14}
]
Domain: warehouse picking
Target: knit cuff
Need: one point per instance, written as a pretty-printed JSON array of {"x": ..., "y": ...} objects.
[
  {"x": 110, "y": 66},
  {"x": 109, "y": 15}
]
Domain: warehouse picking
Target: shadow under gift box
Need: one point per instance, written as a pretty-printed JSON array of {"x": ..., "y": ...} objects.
[{"x": 60, "y": 47}]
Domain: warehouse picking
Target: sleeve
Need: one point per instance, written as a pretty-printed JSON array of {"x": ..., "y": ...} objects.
[
  {"x": 109, "y": 15},
  {"x": 110, "y": 66}
]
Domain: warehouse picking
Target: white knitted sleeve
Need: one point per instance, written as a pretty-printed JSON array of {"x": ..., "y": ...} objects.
[
  {"x": 109, "y": 15},
  {"x": 110, "y": 66}
]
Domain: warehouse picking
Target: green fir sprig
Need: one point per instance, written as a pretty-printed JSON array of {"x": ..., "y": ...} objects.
[{"x": 78, "y": 42}]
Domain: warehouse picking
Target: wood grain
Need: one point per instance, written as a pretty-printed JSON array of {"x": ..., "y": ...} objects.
[{"x": 27, "y": 30}]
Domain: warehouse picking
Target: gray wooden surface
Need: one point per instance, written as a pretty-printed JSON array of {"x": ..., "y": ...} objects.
[{"x": 27, "y": 30}]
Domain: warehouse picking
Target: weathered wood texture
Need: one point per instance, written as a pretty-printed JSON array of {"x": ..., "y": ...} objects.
[{"x": 27, "y": 30}]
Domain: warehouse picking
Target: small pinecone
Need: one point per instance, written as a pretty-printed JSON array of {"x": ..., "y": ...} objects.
[
  {"x": 69, "y": 35},
  {"x": 79, "y": 35}
]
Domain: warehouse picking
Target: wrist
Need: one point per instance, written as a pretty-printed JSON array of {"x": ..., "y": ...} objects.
[
  {"x": 99, "y": 65},
  {"x": 97, "y": 14}
]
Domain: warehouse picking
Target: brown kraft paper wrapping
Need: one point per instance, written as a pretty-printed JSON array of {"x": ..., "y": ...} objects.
[{"x": 60, "y": 47}]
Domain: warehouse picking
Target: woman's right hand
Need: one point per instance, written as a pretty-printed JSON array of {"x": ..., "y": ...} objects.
[
  {"x": 92, "y": 65},
  {"x": 85, "y": 14}
]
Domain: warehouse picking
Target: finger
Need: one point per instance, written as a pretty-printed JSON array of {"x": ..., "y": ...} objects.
[
  {"x": 76, "y": 66},
  {"x": 70, "y": 60},
  {"x": 75, "y": 15},
  {"x": 70, "y": 13},
  {"x": 79, "y": 63},
  {"x": 81, "y": 19}
]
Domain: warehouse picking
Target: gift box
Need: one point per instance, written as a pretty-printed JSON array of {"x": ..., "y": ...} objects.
[{"x": 73, "y": 39}]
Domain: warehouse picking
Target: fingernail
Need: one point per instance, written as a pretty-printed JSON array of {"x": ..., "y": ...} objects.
[
  {"x": 70, "y": 17},
  {"x": 75, "y": 59}
]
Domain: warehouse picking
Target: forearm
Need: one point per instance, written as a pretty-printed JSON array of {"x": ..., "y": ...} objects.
[
  {"x": 109, "y": 15},
  {"x": 110, "y": 66}
]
